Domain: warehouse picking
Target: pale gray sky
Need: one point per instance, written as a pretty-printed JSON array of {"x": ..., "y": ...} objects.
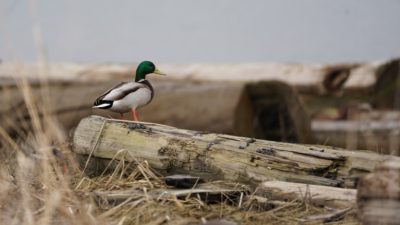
[{"x": 211, "y": 31}]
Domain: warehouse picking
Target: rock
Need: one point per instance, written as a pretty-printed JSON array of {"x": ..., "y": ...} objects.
[{"x": 182, "y": 181}]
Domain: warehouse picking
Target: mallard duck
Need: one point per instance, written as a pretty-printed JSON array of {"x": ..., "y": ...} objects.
[{"x": 129, "y": 96}]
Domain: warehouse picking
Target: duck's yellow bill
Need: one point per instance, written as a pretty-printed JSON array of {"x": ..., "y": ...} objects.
[{"x": 156, "y": 71}]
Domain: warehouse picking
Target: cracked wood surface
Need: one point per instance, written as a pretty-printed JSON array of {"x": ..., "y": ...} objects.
[{"x": 218, "y": 156}]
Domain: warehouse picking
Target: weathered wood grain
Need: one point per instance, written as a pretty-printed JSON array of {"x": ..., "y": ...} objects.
[
  {"x": 332, "y": 197},
  {"x": 218, "y": 156}
]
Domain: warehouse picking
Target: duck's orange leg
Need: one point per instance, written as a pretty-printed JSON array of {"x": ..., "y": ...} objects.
[
  {"x": 122, "y": 116},
  {"x": 134, "y": 116}
]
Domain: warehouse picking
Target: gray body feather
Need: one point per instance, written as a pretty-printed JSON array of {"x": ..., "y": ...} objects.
[{"x": 126, "y": 96}]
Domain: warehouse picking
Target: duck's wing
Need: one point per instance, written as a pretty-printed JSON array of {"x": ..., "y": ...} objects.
[{"x": 118, "y": 92}]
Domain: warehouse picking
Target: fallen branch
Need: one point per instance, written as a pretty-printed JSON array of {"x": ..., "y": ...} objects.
[{"x": 325, "y": 218}]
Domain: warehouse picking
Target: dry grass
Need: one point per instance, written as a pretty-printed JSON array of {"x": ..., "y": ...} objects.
[
  {"x": 147, "y": 209},
  {"x": 41, "y": 183}
]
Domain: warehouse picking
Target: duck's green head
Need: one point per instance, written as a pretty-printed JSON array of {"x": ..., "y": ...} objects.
[{"x": 144, "y": 68}]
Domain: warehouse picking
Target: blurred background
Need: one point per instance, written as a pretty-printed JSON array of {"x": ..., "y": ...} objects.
[
  {"x": 318, "y": 72},
  {"x": 222, "y": 31}
]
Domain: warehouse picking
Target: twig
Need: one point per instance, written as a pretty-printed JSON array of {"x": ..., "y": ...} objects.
[
  {"x": 240, "y": 200},
  {"x": 329, "y": 217},
  {"x": 94, "y": 147},
  {"x": 189, "y": 194},
  {"x": 111, "y": 161}
]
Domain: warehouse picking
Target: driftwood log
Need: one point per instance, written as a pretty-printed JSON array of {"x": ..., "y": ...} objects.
[
  {"x": 217, "y": 156},
  {"x": 318, "y": 195},
  {"x": 378, "y": 196},
  {"x": 374, "y": 83},
  {"x": 209, "y": 193},
  {"x": 380, "y": 136},
  {"x": 269, "y": 194}
]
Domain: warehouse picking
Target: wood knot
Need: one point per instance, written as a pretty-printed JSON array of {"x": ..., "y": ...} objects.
[
  {"x": 133, "y": 126},
  {"x": 266, "y": 151},
  {"x": 247, "y": 143}
]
